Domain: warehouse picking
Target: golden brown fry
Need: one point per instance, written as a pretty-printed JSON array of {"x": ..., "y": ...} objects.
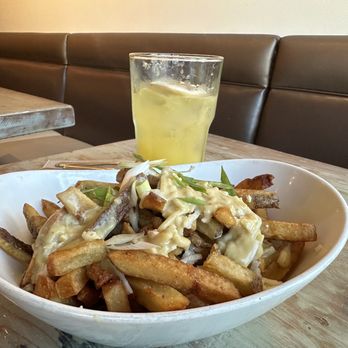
[
  {"x": 256, "y": 199},
  {"x": 225, "y": 217},
  {"x": 34, "y": 220},
  {"x": 109, "y": 218},
  {"x": 15, "y": 247},
  {"x": 157, "y": 297},
  {"x": 243, "y": 278},
  {"x": 89, "y": 296},
  {"x": 270, "y": 283},
  {"x": 259, "y": 182},
  {"x": 195, "y": 301},
  {"x": 152, "y": 202},
  {"x": 262, "y": 213},
  {"x": 84, "y": 253},
  {"x": 71, "y": 283},
  {"x": 290, "y": 231},
  {"x": 184, "y": 278},
  {"x": 79, "y": 205},
  {"x": 115, "y": 297},
  {"x": 48, "y": 207},
  {"x": 45, "y": 287},
  {"x": 99, "y": 274},
  {"x": 275, "y": 271}
]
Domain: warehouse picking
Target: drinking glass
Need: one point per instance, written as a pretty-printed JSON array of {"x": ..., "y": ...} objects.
[{"x": 174, "y": 100}]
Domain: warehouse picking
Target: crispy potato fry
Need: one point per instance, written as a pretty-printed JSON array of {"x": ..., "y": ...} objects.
[
  {"x": 290, "y": 231},
  {"x": 99, "y": 274},
  {"x": 109, "y": 218},
  {"x": 157, "y": 297},
  {"x": 262, "y": 213},
  {"x": 45, "y": 287},
  {"x": 275, "y": 271},
  {"x": 115, "y": 297},
  {"x": 34, "y": 220},
  {"x": 66, "y": 260},
  {"x": 225, "y": 217},
  {"x": 152, "y": 202},
  {"x": 256, "y": 199},
  {"x": 48, "y": 207},
  {"x": 79, "y": 205},
  {"x": 59, "y": 230},
  {"x": 89, "y": 296},
  {"x": 182, "y": 277},
  {"x": 259, "y": 182},
  {"x": 270, "y": 283},
  {"x": 243, "y": 278},
  {"x": 71, "y": 283},
  {"x": 15, "y": 247},
  {"x": 196, "y": 302}
]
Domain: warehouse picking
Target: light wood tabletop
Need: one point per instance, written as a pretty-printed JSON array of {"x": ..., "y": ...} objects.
[
  {"x": 317, "y": 316},
  {"x": 22, "y": 113}
]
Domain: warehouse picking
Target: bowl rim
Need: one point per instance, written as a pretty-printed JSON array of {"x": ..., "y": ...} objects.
[{"x": 192, "y": 313}]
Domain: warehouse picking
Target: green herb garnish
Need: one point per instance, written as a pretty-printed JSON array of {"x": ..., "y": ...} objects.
[
  {"x": 193, "y": 183},
  {"x": 102, "y": 195},
  {"x": 192, "y": 200},
  {"x": 226, "y": 184},
  {"x": 138, "y": 157}
]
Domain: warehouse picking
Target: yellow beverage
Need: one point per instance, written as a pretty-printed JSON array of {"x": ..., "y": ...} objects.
[{"x": 172, "y": 121}]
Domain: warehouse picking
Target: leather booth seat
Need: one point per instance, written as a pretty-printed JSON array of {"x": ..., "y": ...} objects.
[{"x": 289, "y": 93}]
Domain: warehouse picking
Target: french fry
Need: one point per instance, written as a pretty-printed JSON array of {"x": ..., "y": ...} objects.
[
  {"x": 262, "y": 213},
  {"x": 157, "y": 297},
  {"x": 115, "y": 297},
  {"x": 109, "y": 218},
  {"x": 225, "y": 217},
  {"x": 152, "y": 202},
  {"x": 274, "y": 269},
  {"x": 243, "y": 278},
  {"x": 34, "y": 220},
  {"x": 15, "y": 247},
  {"x": 290, "y": 231},
  {"x": 48, "y": 207},
  {"x": 259, "y": 182},
  {"x": 182, "y": 277},
  {"x": 79, "y": 205},
  {"x": 256, "y": 199},
  {"x": 45, "y": 287},
  {"x": 196, "y": 302},
  {"x": 270, "y": 283},
  {"x": 89, "y": 296},
  {"x": 71, "y": 283},
  {"x": 99, "y": 274},
  {"x": 66, "y": 260}
]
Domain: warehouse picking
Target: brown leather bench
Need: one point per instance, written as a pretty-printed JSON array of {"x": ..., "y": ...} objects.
[{"x": 289, "y": 94}]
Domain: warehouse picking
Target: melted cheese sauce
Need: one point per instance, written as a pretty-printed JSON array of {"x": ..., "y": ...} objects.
[{"x": 242, "y": 243}]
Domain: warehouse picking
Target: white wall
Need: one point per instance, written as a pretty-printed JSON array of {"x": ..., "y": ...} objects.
[{"x": 282, "y": 17}]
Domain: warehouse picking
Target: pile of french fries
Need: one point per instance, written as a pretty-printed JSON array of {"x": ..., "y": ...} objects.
[{"x": 70, "y": 260}]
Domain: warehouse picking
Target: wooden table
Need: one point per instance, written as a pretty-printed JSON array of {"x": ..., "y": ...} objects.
[
  {"x": 315, "y": 317},
  {"x": 22, "y": 113}
]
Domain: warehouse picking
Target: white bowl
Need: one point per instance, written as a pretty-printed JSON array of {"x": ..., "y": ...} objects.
[{"x": 304, "y": 197}]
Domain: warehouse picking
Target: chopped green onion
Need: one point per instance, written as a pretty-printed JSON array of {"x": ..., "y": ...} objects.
[
  {"x": 192, "y": 200},
  {"x": 143, "y": 188},
  {"x": 178, "y": 181},
  {"x": 223, "y": 177},
  {"x": 138, "y": 157},
  {"x": 102, "y": 195},
  {"x": 226, "y": 181},
  {"x": 193, "y": 183}
]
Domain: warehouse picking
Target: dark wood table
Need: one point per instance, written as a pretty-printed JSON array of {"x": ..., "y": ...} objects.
[{"x": 22, "y": 113}]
